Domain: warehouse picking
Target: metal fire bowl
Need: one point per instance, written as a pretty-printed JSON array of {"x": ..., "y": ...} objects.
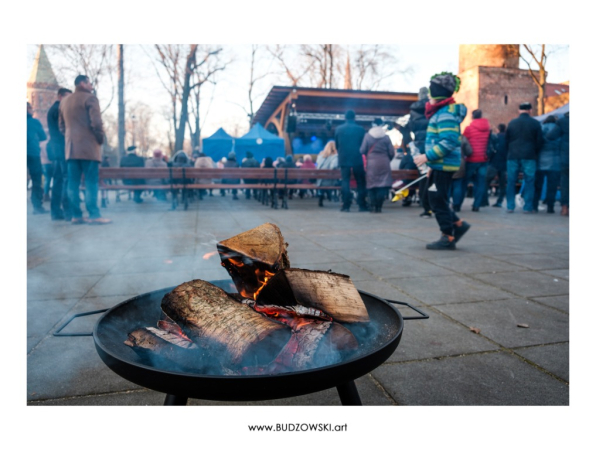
[{"x": 378, "y": 340}]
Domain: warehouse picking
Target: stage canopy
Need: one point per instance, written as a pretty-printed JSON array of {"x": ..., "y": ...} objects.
[
  {"x": 218, "y": 145},
  {"x": 261, "y": 143}
]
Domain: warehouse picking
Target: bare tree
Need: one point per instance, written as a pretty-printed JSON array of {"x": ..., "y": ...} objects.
[
  {"x": 374, "y": 64},
  {"x": 95, "y": 61},
  {"x": 185, "y": 75},
  {"x": 121, "y": 111},
  {"x": 139, "y": 128},
  {"x": 324, "y": 64},
  {"x": 294, "y": 70}
]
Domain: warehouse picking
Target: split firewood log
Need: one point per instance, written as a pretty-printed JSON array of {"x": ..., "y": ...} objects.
[
  {"x": 215, "y": 321},
  {"x": 253, "y": 257},
  {"x": 332, "y": 293}
]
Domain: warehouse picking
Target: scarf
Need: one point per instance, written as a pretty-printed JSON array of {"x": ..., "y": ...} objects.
[{"x": 430, "y": 110}]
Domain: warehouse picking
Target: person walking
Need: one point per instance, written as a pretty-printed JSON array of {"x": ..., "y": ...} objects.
[
  {"x": 564, "y": 126},
  {"x": 133, "y": 160},
  {"x": 524, "y": 140},
  {"x": 327, "y": 160},
  {"x": 80, "y": 122},
  {"x": 478, "y": 134},
  {"x": 35, "y": 135},
  {"x": 59, "y": 203},
  {"x": 549, "y": 165},
  {"x": 497, "y": 165},
  {"x": 443, "y": 156},
  {"x": 379, "y": 151},
  {"x": 348, "y": 139}
]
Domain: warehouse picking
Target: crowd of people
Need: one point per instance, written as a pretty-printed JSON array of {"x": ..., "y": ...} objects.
[{"x": 449, "y": 160}]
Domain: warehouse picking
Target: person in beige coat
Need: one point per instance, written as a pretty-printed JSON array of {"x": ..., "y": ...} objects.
[{"x": 80, "y": 122}]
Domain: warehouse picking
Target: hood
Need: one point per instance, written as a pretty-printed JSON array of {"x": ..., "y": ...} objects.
[
  {"x": 180, "y": 156},
  {"x": 377, "y": 132},
  {"x": 459, "y": 111},
  {"x": 419, "y": 106},
  {"x": 481, "y": 124}
]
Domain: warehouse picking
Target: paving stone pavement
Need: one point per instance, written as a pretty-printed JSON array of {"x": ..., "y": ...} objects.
[{"x": 509, "y": 270}]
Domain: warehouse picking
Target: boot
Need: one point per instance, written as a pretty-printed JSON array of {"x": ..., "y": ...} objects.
[
  {"x": 444, "y": 243},
  {"x": 321, "y": 201},
  {"x": 564, "y": 210}
]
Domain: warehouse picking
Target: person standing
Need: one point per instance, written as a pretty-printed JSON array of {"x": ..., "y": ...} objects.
[
  {"x": 549, "y": 164},
  {"x": 443, "y": 156},
  {"x": 379, "y": 152},
  {"x": 478, "y": 134},
  {"x": 133, "y": 160},
  {"x": 80, "y": 122},
  {"x": 497, "y": 165},
  {"x": 564, "y": 126},
  {"x": 524, "y": 141},
  {"x": 35, "y": 135},
  {"x": 348, "y": 138},
  {"x": 228, "y": 164},
  {"x": 327, "y": 160},
  {"x": 48, "y": 173},
  {"x": 59, "y": 203},
  {"x": 250, "y": 163}
]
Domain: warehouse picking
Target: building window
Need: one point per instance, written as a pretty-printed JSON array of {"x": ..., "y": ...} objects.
[{"x": 506, "y": 99}]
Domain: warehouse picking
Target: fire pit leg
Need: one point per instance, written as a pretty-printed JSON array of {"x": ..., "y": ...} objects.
[
  {"x": 175, "y": 400},
  {"x": 348, "y": 394}
]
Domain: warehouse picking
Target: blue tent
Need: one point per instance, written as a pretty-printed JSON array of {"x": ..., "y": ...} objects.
[
  {"x": 218, "y": 145},
  {"x": 261, "y": 143}
]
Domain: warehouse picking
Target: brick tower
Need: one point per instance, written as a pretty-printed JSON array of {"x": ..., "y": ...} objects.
[
  {"x": 492, "y": 81},
  {"x": 42, "y": 86}
]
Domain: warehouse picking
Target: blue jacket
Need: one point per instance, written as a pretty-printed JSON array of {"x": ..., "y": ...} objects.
[
  {"x": 550, "y": 155},
  {"x": 443, "y": 138},
  {"x": 35, "y": 135}
]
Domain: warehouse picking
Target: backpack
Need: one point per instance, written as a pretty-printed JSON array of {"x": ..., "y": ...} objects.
[{"x": 491, "y": 146}]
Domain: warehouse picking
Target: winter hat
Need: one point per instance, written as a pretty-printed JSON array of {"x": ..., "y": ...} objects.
[
  {"x": 132, "y": 148},
  {"x": 377, "y": 122},
  {"x": 443, "y": 85},
  {"x": 231, "y": 155},
  {"x": 423, "y": 93},
  {"x": 525, "y": 106},
  {"x": 157, "y": 154}
]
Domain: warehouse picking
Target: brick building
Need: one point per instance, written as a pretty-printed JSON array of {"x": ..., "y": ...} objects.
[
  {"x": 492, "y": 81},
  {"x": 42, "y": 87}
]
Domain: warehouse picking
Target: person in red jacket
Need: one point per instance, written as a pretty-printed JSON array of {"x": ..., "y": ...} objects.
[{"x": 478, "y": 134}]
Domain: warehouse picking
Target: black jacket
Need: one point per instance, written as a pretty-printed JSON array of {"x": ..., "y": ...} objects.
[
  {"x": 524, "y": 138},
  {"x": 250, "y": 163},
  {"x": 418, "y": 124},
  {"x": 348, "y": 139},
  {"x": 132, "y": 160},
  {"x": 563, "y": 123},
  {"x": 56, "y": 145},
  {"x": 499, "y": 158}
]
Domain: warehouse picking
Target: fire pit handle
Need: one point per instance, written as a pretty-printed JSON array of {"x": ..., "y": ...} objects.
[
  {"x": 57, "y": 332},
  {"x": 422, "y": 315}
]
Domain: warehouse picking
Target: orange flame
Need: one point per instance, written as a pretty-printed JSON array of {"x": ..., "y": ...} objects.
[{"x": 209, "y": 255}]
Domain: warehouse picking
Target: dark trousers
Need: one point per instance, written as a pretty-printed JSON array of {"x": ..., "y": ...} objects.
[
  {"x": 360, "y": 177},
  {"x": 35, "y": 171},
  {"x": 422, "y": 192},
  {"x": 552, "y": 183},
  {"x": 502, "y": 177},
  {"x": 377, "y": 196},
  {"x": 439, "y": 185},
  {"x": 565, "y": 185},
  {"x": 60, "y": 206},
  {"x": 475, "y": 173},
  {"x": 90, "y": 170},
  {"x": 48, "y": 173}
]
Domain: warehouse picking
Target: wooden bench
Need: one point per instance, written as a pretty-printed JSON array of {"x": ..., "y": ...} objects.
[{"x": 269, "y": 181}]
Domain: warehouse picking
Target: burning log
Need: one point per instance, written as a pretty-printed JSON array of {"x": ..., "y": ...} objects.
[
  {"x": 332, "y": 293},
  {"x": 231, "y": 330},
  {"x": 253, "y": 257}
]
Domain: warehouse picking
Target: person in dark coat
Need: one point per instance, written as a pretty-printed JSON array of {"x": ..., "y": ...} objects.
[
  {"x": 497, "y": 165},
  {"x": 379, "y": 151},
  {"x": 348, "y": 139},
  {"x": 59, "y": 204},
  {"x": 417, "y": 125},
  {"x": 133, "y": 160},
  {"x": 524, "y": 141},
  {"x": 35, "y": 135},
  {"x": 250, "y": 163},
  {"x": 549, "y": 164},
  {"x": 231, "y": 162},
  {"x": 564, "y": 127}
]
